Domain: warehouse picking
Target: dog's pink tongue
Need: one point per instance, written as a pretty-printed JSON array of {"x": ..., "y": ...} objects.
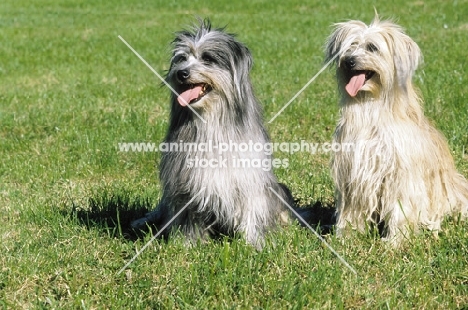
[
  {"x": 189, "y": 95},
  {"x": 355, "y": 84}
]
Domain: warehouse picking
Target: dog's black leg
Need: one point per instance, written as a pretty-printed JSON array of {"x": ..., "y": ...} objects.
[
  {"x": 287, "y": 195},
  {"x": 156, "y": 218}
]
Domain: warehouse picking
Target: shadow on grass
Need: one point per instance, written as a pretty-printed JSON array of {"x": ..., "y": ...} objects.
[
  {"x": 112, "y": 212},
  {"x": 319, "y": 215}
]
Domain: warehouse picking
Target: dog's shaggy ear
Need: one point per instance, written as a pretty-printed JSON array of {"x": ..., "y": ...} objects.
[
  {"x": 407, "y": 56},
  {"x": 334, "y": 41},
  {"x": 342, "y": 38},
  {"x": 242, "y": 63}
]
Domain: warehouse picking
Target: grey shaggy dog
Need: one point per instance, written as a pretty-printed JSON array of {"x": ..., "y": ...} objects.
[{"x": 210, "y": 73}]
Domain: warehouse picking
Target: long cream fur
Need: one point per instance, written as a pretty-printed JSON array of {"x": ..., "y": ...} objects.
[{"x": 400, "y": 173}]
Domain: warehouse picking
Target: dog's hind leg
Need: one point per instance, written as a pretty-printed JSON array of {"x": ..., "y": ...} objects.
[{"x": 460, "y": 188}]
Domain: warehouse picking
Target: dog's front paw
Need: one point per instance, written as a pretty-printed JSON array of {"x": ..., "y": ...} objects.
[{"x": 150, "y": 218}]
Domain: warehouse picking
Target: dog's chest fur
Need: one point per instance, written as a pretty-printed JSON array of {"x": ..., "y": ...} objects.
[
  {"x": 381, "y": 143},
  {"x": 229, "y": 183}
]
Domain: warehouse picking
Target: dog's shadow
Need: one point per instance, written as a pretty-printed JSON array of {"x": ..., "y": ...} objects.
[
  {"x": 113, "y": 213},
  {"x": 318, "y": 215}
]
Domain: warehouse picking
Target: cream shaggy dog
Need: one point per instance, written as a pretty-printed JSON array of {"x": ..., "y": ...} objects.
[{"x": 400, "y": 174}]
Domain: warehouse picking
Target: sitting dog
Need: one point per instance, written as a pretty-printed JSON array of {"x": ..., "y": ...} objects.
[
  {"x": 213, "y": 104},
  {"x": 400, "y": 174}
]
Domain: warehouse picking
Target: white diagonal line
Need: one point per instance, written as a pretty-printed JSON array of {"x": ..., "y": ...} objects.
[
  {"x": 310, "y": 82},
  {"x": 316, "y": 233},
  {"x": 303, "y": 88},
  {"x": 160, "y": 77},
  {"x": 159, "y": 232}
]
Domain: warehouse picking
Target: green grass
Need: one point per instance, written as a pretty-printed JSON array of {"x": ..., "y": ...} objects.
[{"x": 70, "y": 91}]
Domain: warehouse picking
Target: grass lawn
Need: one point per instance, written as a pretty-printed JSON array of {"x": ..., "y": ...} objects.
[{"x": 70, "y": 91}]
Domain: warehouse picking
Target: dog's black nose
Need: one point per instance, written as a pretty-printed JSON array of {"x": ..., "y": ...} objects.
[
  {"x": 183, "y": 74},
  {"x": 350, "y": 62}
]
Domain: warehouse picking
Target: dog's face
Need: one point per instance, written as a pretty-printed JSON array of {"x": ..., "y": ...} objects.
[
  {"x": 207, "y": 66},
  {"x": 372, "y": 59}
]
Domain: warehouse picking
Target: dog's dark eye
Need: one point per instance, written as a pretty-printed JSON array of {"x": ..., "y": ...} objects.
[
  {"x": 372, "y": 48},
  {"x": 179, "y": 58},
  {"x": 208, "y": 58}
]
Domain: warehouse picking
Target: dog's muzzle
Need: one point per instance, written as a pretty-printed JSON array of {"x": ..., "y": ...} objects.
[
  {"x": 183, "y": 75},
  {"x": 190, "y": 92},
  {"x": 356, "y": 78},
  {"x": 350, "y": 62}
]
